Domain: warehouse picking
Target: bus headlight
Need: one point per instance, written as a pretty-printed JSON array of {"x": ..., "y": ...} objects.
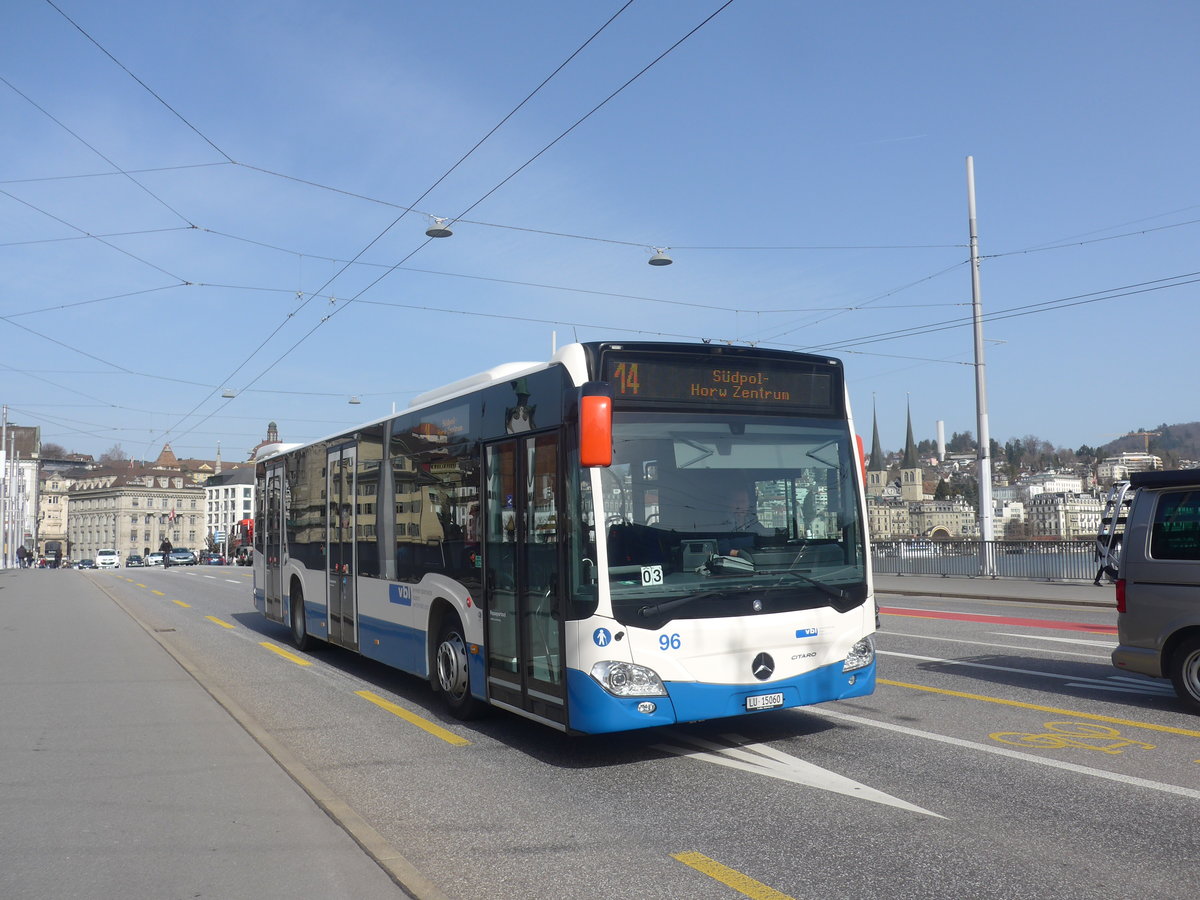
[
  {"x": 861, "y": 654},
  {"x": 622, "y": 679}
]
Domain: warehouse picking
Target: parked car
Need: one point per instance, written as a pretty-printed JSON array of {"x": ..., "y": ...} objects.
[
  {"x": 1158, "y": 618},
  {"x": 134, "y": 561},
  {"x": 211, "y": 559},
  {"x": 108, "y": 559},
  {"x": 86, "y": 564},
  {"x": 154, "y": 559},
  {"x": 181, "y": 556}
]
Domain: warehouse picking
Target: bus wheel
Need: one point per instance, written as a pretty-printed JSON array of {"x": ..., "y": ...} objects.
[
  {"x": 300, "y": 636},
  {"x": 1185, "y": 671},
  {"x": 453, "y": 673}
]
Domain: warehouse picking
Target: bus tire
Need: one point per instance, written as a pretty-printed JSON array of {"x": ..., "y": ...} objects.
[
  {"x": 1185, "y": 671},
  {"x": 452, "y": 676},
  {"x": 300, "y": 636}
]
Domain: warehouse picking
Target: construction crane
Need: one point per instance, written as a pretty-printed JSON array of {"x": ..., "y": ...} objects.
[
  {"x": 1145, "y": 434},
  {"x": 1142, "y": 434}
]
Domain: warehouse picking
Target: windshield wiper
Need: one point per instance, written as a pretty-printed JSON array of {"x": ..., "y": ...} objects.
[
  {"x": 827, "y": 589},
  {"x": 647, "y": 612}
]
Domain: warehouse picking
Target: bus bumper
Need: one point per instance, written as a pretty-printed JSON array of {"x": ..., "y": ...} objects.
[{"x": 595, "y": 711}]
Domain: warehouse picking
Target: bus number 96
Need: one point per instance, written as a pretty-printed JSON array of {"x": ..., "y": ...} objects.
[{"x": 669, "y": 642}]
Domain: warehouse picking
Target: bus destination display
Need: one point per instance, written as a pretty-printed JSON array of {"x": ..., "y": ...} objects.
[{"x": 754, "y": 384}]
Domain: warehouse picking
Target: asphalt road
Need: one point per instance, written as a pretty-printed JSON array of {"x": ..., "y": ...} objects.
[{"x": 1001, "y": 756}]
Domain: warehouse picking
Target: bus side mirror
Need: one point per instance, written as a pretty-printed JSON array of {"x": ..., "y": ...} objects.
[{"x": 595, "y": 424}]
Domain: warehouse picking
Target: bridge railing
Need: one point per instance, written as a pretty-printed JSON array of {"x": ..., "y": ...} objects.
[{"x": 1041, "y": 560}]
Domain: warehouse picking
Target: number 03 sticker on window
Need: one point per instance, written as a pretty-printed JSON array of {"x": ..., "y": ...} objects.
[{"x": 652, "y": 575}]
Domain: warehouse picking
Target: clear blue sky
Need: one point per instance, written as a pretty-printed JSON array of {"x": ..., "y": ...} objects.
[{"x": 805, "y": 162}]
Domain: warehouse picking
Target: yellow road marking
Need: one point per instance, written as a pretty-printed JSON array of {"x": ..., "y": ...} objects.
[
  {"x": 743, "y": 884},
  {"x": 220, "y": 622},
  {"x": 181, "y": 603},
  {"x": 436, "y": 730},
  {"x": 289, "y": 656},
  {"x": 139, "y": 585},
  {"x": 1050, "y": 709},
  {"x": 160, "y": 593}
]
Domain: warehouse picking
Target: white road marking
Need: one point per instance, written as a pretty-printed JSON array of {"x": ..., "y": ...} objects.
[
  {"x": 1147, "y": 687},
  {"x": 762, "y": 759},
  {"x": 929, "y": 637},
  {"x": 1061, "y": 640},
  {"x": 1156, "y": 690},
  {"x": 1012, "y": 754}
]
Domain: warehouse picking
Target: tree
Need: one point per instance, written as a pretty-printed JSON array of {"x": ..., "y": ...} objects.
[
  {"x": 971, "y": 494},
  {"x": 114, "y": 454},
  {"x": 961, "y": 442},
  {"x": 1015, "y": 530},
  {"x": 53, "y": 451}
]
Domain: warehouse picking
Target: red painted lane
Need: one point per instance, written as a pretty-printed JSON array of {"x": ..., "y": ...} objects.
[{"x": 999, "y": 620}]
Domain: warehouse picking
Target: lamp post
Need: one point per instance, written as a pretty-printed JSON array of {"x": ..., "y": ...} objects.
[
  {"x": 987, "y": 558},
  {"x": 4, "y": 489}
]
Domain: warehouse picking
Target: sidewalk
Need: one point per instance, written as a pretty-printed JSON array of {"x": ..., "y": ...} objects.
[
  {"x": 121, "y": 777},
  {"x": 1077, "y": 593}
]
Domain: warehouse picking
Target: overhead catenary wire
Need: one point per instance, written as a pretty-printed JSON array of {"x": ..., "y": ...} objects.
[
  {"x": 1145, "y": 287},
  {"x": 398, "y": 218},
  {"x": 100, "y": 240},
  {"x": 489, "y": 193},
  {"x": 91, "y": 147},
  {"x": 147, "y": 87},
  {"x": 848, "y": 347},
  {"x": 123, "y": 305}
]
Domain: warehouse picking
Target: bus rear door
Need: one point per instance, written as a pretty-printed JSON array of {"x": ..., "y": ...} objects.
[
  {"x": 273, "y": 542},
  {"x": 342, "y": 564}
]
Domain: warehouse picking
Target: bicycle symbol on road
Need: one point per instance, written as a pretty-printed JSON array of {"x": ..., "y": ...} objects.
[{"x": 1078, "y": 735}]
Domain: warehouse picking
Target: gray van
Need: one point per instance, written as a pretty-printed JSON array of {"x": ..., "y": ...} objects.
[{"x": 1158, "y": 582}]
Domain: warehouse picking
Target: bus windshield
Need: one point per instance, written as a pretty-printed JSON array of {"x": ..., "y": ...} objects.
[{"x": 708, "y": 517}]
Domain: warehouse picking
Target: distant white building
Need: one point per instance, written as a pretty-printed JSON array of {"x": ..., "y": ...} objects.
[
  {"x": 1049, "y": 483},
  {"x": 1006, "y": 512},
  {"x": 1065, "y": 516},
  {"x": 19, "y": 488},
  {"x": 1119, "y": 468},
  {"x": 228, "y": 501}
]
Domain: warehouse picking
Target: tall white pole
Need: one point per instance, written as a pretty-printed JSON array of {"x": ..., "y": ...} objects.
[
  {"x": 3, "y": 489},
  {"x": 987, "y": 560}
]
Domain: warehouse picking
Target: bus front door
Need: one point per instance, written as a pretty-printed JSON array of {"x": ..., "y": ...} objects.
[
  {"x": 522, "y": 591},
  {"x": 273, "y": 543},
  {"x": 341, "y": 564}
]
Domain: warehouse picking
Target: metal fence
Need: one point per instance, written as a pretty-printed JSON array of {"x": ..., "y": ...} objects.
[{"x": 1042, "y": 560}]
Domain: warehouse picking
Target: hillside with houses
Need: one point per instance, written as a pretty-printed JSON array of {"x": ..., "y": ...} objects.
[{"x": 929, "y": 489}]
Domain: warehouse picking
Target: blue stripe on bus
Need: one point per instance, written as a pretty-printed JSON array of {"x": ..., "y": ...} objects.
[
  {"x": 394, "y": 645},
  {"x": 594, "y": 711},
  {"x": 403, "y": 647}
]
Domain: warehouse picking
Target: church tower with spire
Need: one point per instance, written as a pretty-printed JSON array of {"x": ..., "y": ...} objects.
[
  {"x": 876, "y": 464},
  {"x": 912, "y": 481}
]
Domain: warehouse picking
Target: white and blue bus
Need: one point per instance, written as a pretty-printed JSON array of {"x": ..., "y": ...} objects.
[{"x": 626, "y": 536}]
